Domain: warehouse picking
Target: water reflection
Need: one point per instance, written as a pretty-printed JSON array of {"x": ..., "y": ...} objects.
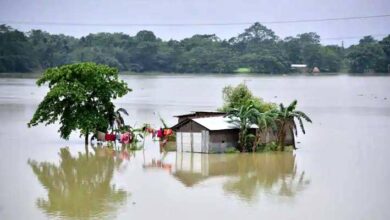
[
  {"x": 79, "y": 187},
  {"x": 247, "y": 174}
]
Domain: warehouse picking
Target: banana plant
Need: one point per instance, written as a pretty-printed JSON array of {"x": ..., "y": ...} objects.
[{"x": 286, "y": 118}]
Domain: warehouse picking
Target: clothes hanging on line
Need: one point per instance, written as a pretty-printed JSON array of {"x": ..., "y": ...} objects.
[
  {"x": 125, "y": 138},
  {"x": 110, "y": 137},
  {"x": 167, "y": 132}
]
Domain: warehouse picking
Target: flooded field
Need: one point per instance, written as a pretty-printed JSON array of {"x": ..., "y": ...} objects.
[{"x": 340, "y": 170}]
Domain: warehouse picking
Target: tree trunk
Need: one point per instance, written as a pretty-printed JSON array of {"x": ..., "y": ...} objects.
[
  {"x": 256, "y": 141},
  {"x": 240, "y": 140},
  {"x": 282, "y": 140},
  {"x": 86, "y": 145},
  {"x": 282, "y": 136},
  {"x": 86, "y": 139}
]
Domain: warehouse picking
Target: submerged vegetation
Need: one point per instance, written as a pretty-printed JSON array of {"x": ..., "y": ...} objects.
[
  {"x": 247, "y": 111},
  {"x": 256, "y": 50}
]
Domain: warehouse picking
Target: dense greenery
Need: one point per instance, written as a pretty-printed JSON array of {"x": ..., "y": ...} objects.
[
  {"x": 235, "y": 97},
  {"x": 257, "y": 50},
  {"x": 247, "y": 111},
  {"x": 80, "y": 98}
]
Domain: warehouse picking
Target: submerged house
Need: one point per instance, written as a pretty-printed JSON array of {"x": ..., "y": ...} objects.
[{"x": 211, "y": 132}]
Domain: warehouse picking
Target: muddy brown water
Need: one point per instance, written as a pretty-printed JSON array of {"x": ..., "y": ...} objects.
[{"x": 340, "y": 171}]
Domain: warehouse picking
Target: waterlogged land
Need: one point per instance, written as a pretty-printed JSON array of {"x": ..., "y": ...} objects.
[{"x": 339, "y": 171}]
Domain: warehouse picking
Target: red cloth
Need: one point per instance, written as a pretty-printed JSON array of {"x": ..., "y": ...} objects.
[
  {"x": 110, "y": 137},
  {"x": 160, "y": 133}
]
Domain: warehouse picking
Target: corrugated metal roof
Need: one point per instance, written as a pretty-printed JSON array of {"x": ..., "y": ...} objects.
[
  {"x": 194, "y": 113},
  {"x": 217, "y": 123}
]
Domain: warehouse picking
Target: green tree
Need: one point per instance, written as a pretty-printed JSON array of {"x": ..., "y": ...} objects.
[
  {"x": 385, "y": 44},
  {"x": 235, "y": 97},
  {"x": 80, "y": 98},
  {"x": 265, "y": 122},
  {"x": 243, "y": 117},
  {"x": 304, "y": 48},
  {"x": 331, "y": 59},
  {"x": 367, "y": 56},
  {"x": 286, "y": 121},
  {"x": 15, "y": 51},
  {"x": 256, "y": 33},
  {"x": 257, "y": 49},
  {"x": 51, "y": 50}
]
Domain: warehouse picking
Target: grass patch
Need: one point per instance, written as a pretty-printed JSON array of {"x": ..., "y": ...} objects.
[
  {"x": 243, "y": 70},
  {"x": 231, "y": 150}
]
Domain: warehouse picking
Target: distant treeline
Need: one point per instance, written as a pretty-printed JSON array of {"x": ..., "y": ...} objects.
[{"x": 256, "y": 50}]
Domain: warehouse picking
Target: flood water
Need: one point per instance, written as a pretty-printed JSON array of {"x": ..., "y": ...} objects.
[{"x": 340, "y": 171}]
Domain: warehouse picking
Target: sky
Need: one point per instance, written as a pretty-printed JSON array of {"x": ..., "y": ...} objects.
[{"x": 35, "y": 14}]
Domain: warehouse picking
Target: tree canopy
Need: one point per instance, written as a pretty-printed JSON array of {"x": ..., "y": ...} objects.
[
  {"x": 237, "y": 96},
  {"x": 257, "y": 49},
  {"x": 244, "y": 110},
  {"x": 80, "y": 98}
]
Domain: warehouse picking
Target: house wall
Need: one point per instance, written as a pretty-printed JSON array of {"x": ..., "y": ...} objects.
[
  {"x": 272, "y": 136},
  {"x": 192, "y": 137},
  {"x": 220, "y": 140},
  {"x": 189, "y": 138},
  {"x": 191, "y": 126}
]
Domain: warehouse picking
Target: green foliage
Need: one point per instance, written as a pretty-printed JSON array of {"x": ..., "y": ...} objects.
[
  {"x": 244, "y": 110},
  {"x": 15, "y": 51},
  {"x": 235, "y": 97},
  {"x": 242, "y": 118},
  {"x": 272, "y": 146},
  {"x": 231, "y": 150},
  {"x": 286, "y": 118},
  {"x": 80, "y": 98},
  {"x": 368, "y": 56},
  {"x": 257, "y": 49}
]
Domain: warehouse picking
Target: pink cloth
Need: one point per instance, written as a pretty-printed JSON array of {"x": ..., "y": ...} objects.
[
  {"x": 125, "y": 138},
  {"x": 160, "y": 133}
]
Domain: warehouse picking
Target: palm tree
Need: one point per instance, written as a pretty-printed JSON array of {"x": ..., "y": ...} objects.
[
  {"x": 264, "y": 121},
  {"x": 243, "y": 117},
  {"x": 117, "y": 118},
  {"x": 286, "y": 121}
]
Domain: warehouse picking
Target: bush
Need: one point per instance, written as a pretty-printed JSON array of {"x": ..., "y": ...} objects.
[
  {"x": 272, "y": 146},
  {"x": 230, "y": 150},
  {"x": 235, "y": 97}
]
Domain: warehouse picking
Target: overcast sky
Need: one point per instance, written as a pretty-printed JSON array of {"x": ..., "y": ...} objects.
[{"x": 200, "y": 11}]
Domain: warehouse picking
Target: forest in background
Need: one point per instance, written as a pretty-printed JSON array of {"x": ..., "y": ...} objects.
[{"x": 257, "y": 50}]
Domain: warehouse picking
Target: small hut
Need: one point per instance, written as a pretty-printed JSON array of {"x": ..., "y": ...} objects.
[
  {"x": 301, "y": 68},
  {"x": 213, "y": 134}
]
